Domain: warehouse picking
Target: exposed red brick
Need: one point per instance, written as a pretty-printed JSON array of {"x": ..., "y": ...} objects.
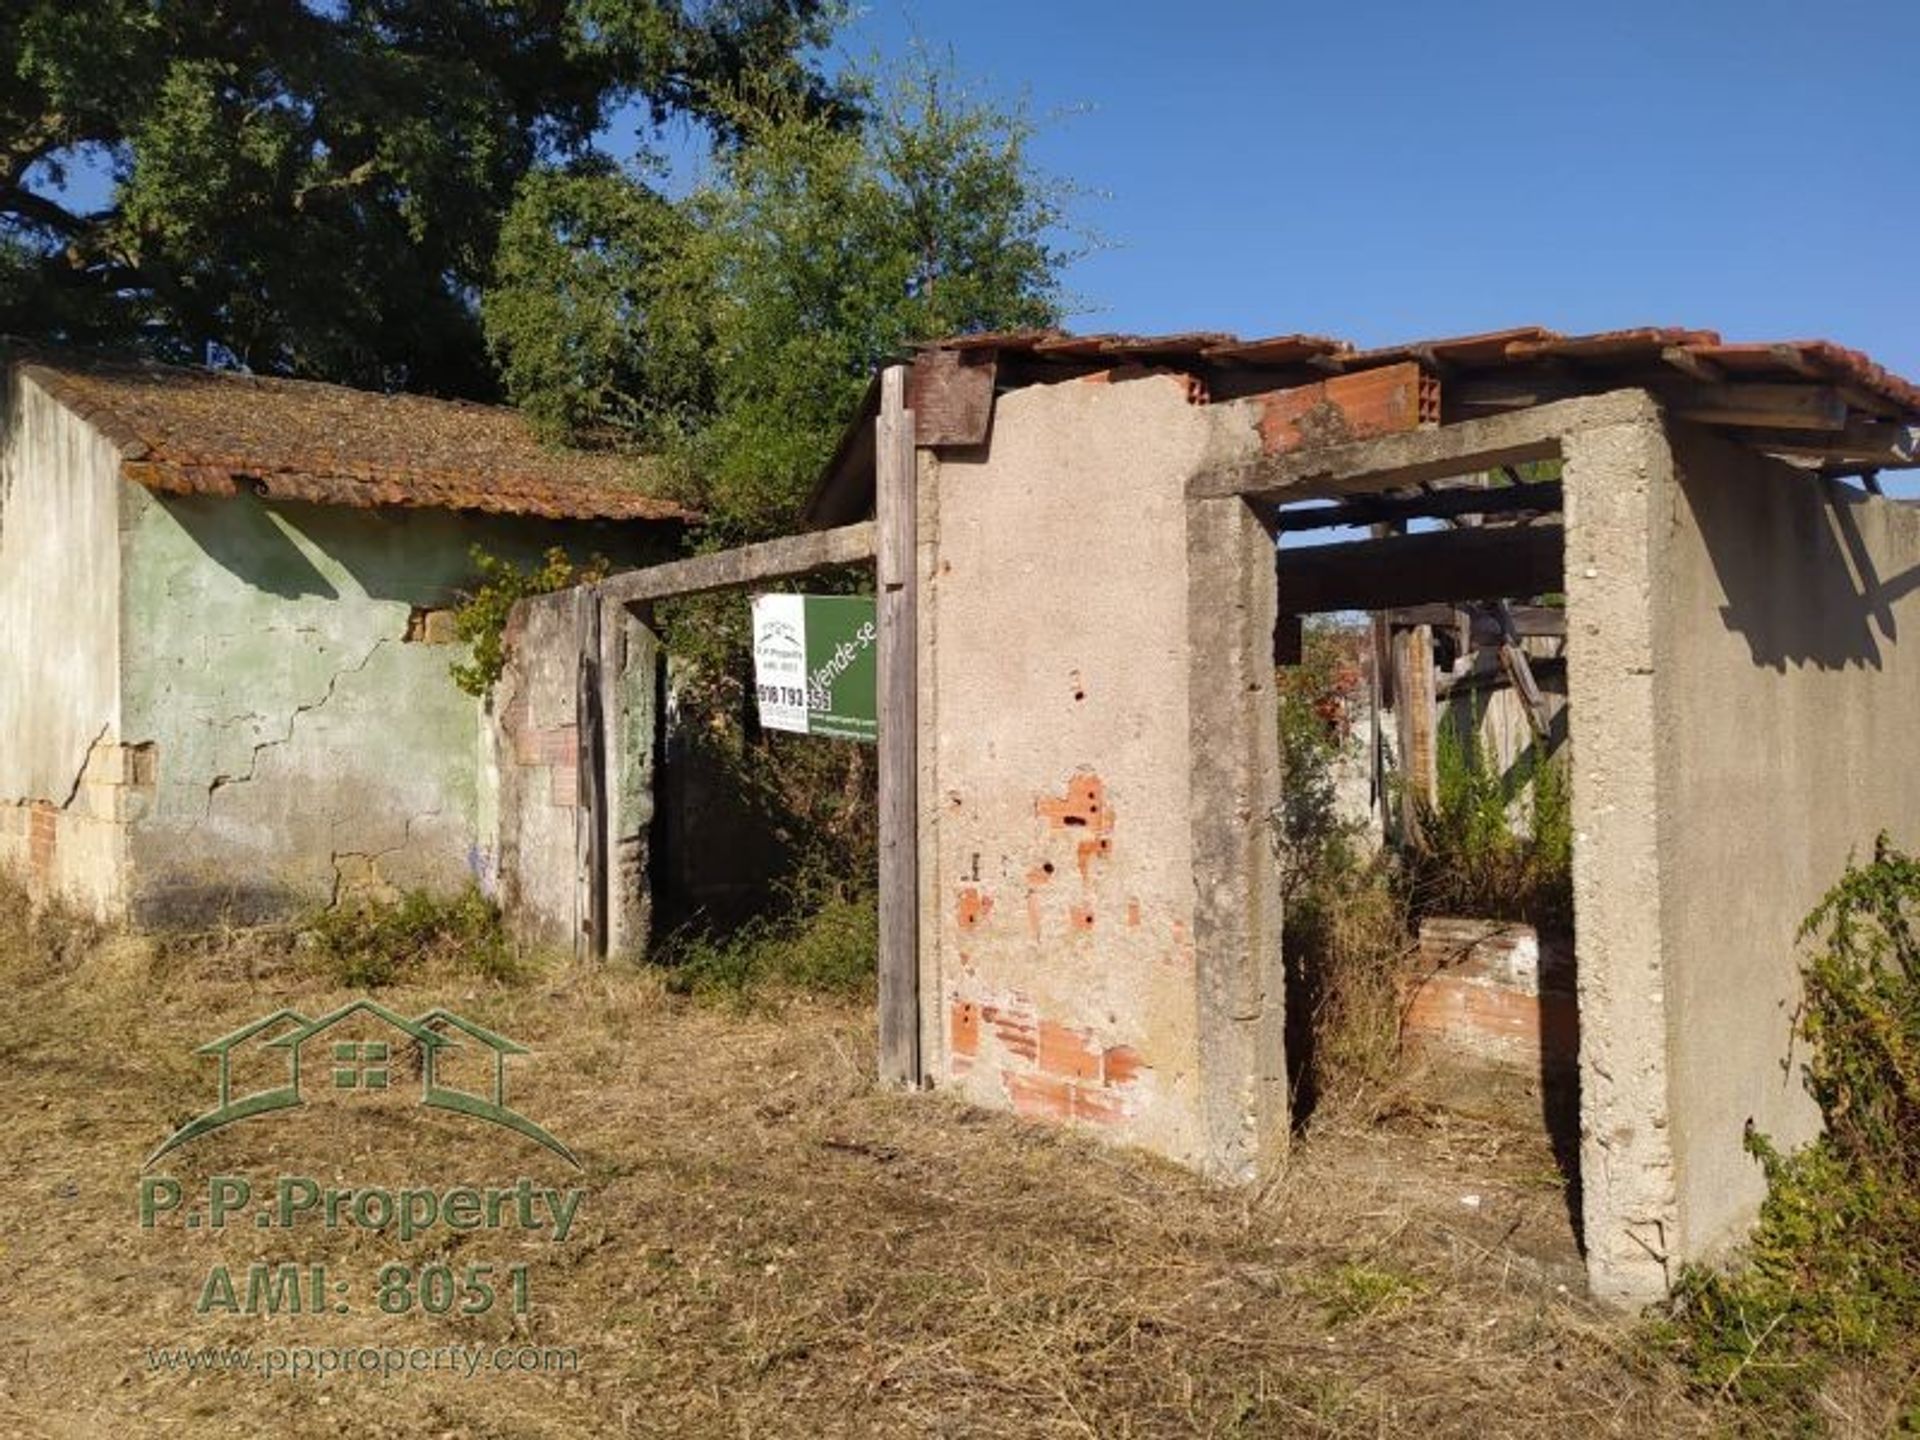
[
  {"x": 973, "y": 909},
  {"x": 963, "y": 1028},
  {"x": 1083, "y": 807},
  {"x": 1081, "y": 917},
  {"x": 43, "y": 835},
  {"x": 1097, "y": 1107},
  {"x": 1016, "y": 1032},
  {"x": 1133, "y": 914},
  {"x": 1069, "y": 1052},
  {"x": 1088, "y": 851},
  {"x": 1360, "y": 406},
  {"x": 564, "y": 783},
  {"x": 1494, "y": 1022},
  {"x": 1121, "y": 1065},
  {"x": 1039, "y": 1096}
]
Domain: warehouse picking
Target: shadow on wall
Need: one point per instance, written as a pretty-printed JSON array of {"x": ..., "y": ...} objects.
[
  {"x": 242, "y": 537},
  {"x": 1791, "y": 554},
  {"x": 411, "y": 556}
]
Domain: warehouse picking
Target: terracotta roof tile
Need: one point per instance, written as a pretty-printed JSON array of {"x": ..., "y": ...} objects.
[
  {"x": 211, "y": 433},
  {"x": 1611, "y": 358}
]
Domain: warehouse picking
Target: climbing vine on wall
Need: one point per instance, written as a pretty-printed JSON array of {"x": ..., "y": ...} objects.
[{"x": 481, "y": 619}]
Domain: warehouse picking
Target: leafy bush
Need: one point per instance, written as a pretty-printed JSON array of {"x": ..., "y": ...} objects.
[
  {"x": 481, "y": 619},
  {"x": 1469, "y": 859},
  {"x": 1833, "y": 1269},
  {"x": 382, "y": 944}
]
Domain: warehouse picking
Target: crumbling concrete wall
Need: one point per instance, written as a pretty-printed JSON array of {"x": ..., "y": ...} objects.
[
  {"x": 1099, "y": 944},
  {"x": 289, "y": 665},
  {"x": 534, "y": 739},
  {"x": 1741, "y": 711},
  {"x": 66, "y": 782}
]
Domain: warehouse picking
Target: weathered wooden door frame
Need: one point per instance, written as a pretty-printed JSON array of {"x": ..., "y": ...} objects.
[{"x": 890, "y": 542}]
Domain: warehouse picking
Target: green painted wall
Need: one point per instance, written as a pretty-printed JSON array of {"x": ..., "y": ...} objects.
[{"x": 306, "y": 746}]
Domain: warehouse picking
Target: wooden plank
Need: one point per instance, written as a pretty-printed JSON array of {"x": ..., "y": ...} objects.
[
  {"x": 1513, "y": 656},
  {"x": 1491, "y": 563},
  {"x": 1528, "y": 620},
  {"x": 897, "y": 603},
  {"x": 1544, "y": 495},
  {"x": 747, "y": 565},
  {"x": 1416, "y": 714},
  {"x": 1694, "y": 366},
  {"x": 590, "y": 816},
  {"x": 950, "y": 393},
  {"x": 1785, "y": 407},
  {"x": 1762, "y": 404},
  {"x": 1868, "y": 442},
  {"x": 630, "y": 659}
]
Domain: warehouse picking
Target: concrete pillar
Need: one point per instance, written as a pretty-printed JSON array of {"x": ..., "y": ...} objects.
[
  {"x": 1234, "y": 791},
  {"x": 1615, "y": 476}
]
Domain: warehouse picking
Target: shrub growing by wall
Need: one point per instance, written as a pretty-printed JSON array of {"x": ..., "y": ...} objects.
[{"x": 1832, "y": 1274}]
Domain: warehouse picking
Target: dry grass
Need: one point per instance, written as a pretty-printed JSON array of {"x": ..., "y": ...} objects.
[{"x": 770, "y": 1246}]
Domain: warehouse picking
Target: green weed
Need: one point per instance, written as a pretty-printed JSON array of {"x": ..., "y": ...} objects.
[
  {"x": 382, "y": 944},
  {"x": 1832, "y": 1273},
  {"x": 1470, "y": 857},
  {"x": 831, "y": 949},
  {"x": 1357, "y": 1291}
]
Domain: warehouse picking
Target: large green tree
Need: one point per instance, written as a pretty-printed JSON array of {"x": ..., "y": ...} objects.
[
  {"x": 317, "y": 188},
  {"x": 737, "y": 327}
]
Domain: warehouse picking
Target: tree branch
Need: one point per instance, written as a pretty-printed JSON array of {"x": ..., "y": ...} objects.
[{"x": 39, "y": 210}]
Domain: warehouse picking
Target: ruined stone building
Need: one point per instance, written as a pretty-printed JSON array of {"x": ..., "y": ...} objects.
[
  {"x": 1087, "y": 595},
  {"x": 225, "y": 632}
]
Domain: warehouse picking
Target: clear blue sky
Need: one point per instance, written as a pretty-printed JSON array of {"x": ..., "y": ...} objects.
[{"x": 1386, "y": 171}]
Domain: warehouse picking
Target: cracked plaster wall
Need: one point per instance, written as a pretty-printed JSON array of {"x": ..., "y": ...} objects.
[
  {"x": 1089, "y": 761},
  {"x": 307, "y": 749},
  {"x": 59, "y": 627}
]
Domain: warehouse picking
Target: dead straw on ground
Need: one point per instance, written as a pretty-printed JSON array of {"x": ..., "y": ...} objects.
[{"x": 772, "y": 1246}]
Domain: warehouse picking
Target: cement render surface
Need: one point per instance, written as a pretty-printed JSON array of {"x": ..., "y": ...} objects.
[
  {"x": 1787, "y": 705},
  {"x": 1058, "y": 599}
]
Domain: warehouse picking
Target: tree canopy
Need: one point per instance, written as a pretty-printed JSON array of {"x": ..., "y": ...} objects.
[
  {"x": 317, "y": 188},
  {"x": 736, "y": 328}
]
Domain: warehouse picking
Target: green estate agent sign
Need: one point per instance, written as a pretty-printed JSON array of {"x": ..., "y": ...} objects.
[{"x": 813, "y": 664}]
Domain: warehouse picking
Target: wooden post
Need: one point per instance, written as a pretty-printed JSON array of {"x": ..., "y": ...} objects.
[
  {"x": 1513, "y": 655},
  {"x": 1415, "y": 709},
  {"x": 896, "y": 565},
  {"x": 590, "y": 819}
]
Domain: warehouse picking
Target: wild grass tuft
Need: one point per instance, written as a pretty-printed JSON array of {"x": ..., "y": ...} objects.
[
  {"x": 389, "y": 942},
  {"x": 831, "y": 949},
  {"x": 1471, "y": 858}
]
